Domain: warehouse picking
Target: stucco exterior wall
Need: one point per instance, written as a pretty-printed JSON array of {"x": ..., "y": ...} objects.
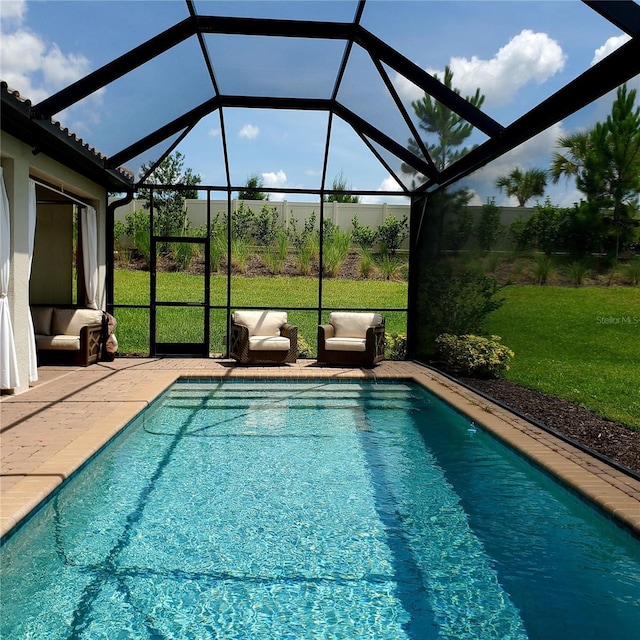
[{"x": 20, "y": 164}]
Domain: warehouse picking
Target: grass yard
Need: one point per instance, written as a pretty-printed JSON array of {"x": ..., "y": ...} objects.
[
  {"x": 185, "y": 324},
  {"x": 582, "y": 344}
]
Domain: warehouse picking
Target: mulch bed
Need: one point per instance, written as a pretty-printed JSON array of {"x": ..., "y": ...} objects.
[{"x": 614, "y": 440}]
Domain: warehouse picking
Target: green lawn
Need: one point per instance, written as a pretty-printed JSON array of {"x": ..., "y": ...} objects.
[
  {"x": 582, "y": 344},
  {"x": 185, "y": 324}
]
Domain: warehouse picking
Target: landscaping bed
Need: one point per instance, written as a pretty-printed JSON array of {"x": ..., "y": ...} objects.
[{"x": 614, "y": 440}]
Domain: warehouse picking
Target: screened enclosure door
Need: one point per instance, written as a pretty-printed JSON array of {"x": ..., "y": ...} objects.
[{"x": 179, "y": 297}]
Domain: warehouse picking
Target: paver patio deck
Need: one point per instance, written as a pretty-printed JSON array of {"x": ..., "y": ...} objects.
[{"x": 49, "y": 431}]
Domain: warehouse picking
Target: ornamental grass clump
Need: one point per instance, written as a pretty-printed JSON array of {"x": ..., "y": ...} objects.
[{"x": 474, "y": 356}]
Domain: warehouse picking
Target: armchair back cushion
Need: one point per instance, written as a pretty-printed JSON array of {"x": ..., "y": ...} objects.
[
  {"x": 70, "y": 321},
  {"x": 42, "y": 320},
  {"x": 351, "y": 324},
  {"x": 261, "y": 323}
]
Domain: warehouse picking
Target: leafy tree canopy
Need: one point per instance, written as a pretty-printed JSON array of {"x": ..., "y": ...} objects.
[
  {"x": 168, "y": 204},
  {"x": 339, "y": 186},
  {"x": 252, "y": 189},
  {"x": 605, "y": 162}
]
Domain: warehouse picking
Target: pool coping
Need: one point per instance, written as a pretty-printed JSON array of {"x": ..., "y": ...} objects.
[{"x": 51, "y": 430}]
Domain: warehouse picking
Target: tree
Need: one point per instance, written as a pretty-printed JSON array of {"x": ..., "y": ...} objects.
[
  {"x": 339, "y": 187},
  {"x": 449, "y": 129},
  {"x": 605, "y": 162},
  {"x": 524, "y": 185},
  {"x": 169, "y": 204},
  {"x": 252, "y": 189}
]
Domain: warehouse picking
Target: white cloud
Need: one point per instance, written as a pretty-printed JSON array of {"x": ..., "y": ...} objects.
[
  {"x": 274, "y": 179},
  {"x": 609, "y": 47},
  {"x": 60, "y": 70},
  {"x": 388, "y": 184},
  {"x": 30, "y": 64},
  {"x": 12, "y": 10},
  {"x": 249, "y": 131},
  {"x": 22, "y": 55},
  {"x": 37, "y": 68},
  {"x": 527, "y": 57},
  {"x": 215, "y": 132}
]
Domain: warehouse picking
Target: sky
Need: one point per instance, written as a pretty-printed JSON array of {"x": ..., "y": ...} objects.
[{"x": 516, "y": 53}]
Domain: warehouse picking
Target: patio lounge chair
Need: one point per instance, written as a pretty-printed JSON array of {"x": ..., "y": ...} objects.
[
  {"x": 263, "y": 337},
  {"x": 351, "y": 338}
]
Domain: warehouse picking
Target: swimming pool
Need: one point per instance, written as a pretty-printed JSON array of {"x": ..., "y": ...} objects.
[{"x": 315, "y": 510}]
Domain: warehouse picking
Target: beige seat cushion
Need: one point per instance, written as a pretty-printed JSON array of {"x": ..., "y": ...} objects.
[
  {"x": 69, "y": 322},
  {"x": 42, "y": 320},
  {"x": 353, "y": 324},
  {"x": 59, "y": 342},
  {"x": 269, "y": 343},
  {"x": 261, "y": 323},
  {"x": 345, "y": 344}
]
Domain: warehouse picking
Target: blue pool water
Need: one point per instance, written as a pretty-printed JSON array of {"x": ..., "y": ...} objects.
[{"x": 266, "y": 510}]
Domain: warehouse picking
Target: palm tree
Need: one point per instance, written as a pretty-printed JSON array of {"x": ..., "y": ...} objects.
[{"x": 524, "y": 185}]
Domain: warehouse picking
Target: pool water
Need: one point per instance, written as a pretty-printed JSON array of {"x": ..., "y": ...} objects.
[{"x": 271, "y": 510}]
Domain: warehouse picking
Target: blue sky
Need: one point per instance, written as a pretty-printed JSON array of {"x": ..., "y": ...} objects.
[{"x": 517, "y": 53}]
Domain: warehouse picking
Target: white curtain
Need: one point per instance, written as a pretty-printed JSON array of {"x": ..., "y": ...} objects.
[
  {"x": 9, "y": 378},
  {"x": 33, "y": 357},
  {"x": 90, "y": 254}
]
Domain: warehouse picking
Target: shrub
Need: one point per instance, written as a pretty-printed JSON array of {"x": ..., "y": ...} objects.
[
  {"x": 392, "y": 233},
  {"x": 474, "y": 356},
  {"x": 242, "y": 222},
  {"x": 304, "y": 350},
  {"x": 395, "y": 346},
  {"x": 521, "y": 234},
  {"x": 489, "y": 228},
  {"x": 362, "y": 235},
  {"x": 544, "y": 228},
  {"x": 266, "y": 225},
  {"x": 453, "y": 301},
  {"x": 459, "y": 230}
]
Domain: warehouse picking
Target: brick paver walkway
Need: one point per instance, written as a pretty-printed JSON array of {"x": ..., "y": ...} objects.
[{"x": 48, "y": 432}]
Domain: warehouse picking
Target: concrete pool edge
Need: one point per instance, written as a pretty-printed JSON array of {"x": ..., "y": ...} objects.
[{"x": 108, "y": 396}]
